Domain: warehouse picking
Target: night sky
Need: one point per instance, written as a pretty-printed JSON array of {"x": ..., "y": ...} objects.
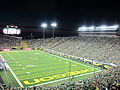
[{"x": 70, "y": 14}]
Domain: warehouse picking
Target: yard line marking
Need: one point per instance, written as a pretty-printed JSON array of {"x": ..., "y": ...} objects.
[
  {"x": 7, "y": 66},
  {"x": 47, "y": 74},
  {"x": 70, "y": 60},
  {"x": 66, "y": 78}
]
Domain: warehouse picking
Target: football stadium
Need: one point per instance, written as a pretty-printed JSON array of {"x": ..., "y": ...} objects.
[{"x": 89, "y": 61}]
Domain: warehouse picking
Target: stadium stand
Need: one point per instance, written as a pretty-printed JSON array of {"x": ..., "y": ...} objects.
[
  {"x": 98, "y": 48},
  {"x": 108, "y": 80},
  {"x": 8, "y": 42}
]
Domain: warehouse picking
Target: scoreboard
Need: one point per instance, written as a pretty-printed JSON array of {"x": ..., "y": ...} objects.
[{"x": 11, "y": 29}]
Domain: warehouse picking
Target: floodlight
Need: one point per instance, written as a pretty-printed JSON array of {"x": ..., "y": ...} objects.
[
  {"x": 103, "y": 27},
  {"x": 91, "y": 27},
  {"x": 116, "y": 26},
  {"x": 54, "y": 24},
  {"x": 44, "y": 25},
  {"x": 82, "y": 28}
]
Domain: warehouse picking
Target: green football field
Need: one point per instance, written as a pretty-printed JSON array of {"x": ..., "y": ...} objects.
[{"x": 35, "y": 67}]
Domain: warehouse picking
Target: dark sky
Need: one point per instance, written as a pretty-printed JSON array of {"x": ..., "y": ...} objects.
[{"x": 68, "y": 13}]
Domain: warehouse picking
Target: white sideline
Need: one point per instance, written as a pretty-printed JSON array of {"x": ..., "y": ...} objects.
[
  {"x": 65, "y": 78},
  {"x": 69, "y": 77},
  {"x": 72, "y": 61},
  {"x": 51, "y": 81},
  {"x": 7, "y": 66}
]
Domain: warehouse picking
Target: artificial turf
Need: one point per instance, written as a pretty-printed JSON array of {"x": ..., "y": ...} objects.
[{"x": 36, "y": 67}]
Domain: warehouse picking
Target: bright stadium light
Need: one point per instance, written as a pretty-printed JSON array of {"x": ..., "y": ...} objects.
[
  {"x": 103, "y": 27},
  {"x": 116, "y": 26},
  {"x": 54, "y": 25},
  {"x": 82, "y": 28},
  {"x": 44, "y": 25},
  {"x": 92, "y": 27}
]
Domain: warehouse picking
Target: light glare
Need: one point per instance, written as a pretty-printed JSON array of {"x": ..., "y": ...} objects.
[
  {"x": 103, "y": 27},
  {"x": 82, "y": 27},
  {"x": 116, "y": 26},
  {"x": 99, "y": 28},
  {"x": 92, "y": 27},
  {"x": 44, "y": 25},
  {"x": 54, "y": 24}
]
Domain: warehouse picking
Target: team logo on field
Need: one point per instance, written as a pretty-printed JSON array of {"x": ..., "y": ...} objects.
[{"x": 49, "y": 78}]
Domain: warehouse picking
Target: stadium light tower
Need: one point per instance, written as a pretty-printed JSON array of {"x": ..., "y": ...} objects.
[
  {"x": 116, "y": 26},
  {"x": 103, "y": 27},
  {"x": 43, "y": 25},
  {"x": 53, "y": 25}
]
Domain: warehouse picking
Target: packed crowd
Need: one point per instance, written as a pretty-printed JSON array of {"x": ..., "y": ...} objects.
[
  {"x": 99, "y": 48},
  {"x": 8, "y": 42}
]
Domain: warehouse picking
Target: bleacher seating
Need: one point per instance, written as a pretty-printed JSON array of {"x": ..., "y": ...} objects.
[{"x": 99, "y": 48}]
